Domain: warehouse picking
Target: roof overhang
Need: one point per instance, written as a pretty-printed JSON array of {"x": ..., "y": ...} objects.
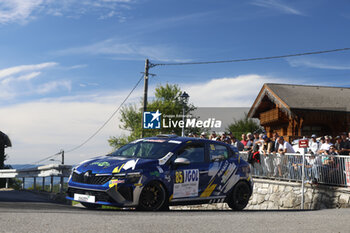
[{"x": 266, "y": 91}]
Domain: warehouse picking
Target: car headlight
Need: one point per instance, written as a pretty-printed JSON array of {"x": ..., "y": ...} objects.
[{"x": 130, "y": 177}]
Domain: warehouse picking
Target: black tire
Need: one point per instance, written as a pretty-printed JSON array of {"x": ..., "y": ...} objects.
[
  {"x": 153, "y": 197},
  {"x": 90, "y": 206},
  {"x": 239, "y": 197}
]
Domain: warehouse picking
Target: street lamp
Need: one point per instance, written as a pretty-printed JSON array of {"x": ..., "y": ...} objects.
[{"x": 184, "y": 100}]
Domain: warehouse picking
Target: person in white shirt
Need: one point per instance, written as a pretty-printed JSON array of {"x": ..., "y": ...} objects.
[
  {"x": 325, "y": 146},
  {"x": 284, "y": 146},
  {"x": 314, "y": 145}
]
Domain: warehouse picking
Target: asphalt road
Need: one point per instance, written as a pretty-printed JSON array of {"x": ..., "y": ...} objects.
[{"x": 43, "y": 216}]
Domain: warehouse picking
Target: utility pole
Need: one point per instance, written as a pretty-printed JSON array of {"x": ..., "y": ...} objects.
[
  {"x": 145, "y": 86},
  {"x": 62, "y": 157}
]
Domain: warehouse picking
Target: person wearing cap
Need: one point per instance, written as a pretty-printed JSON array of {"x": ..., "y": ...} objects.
[
  {"x": 203, "y": 135},
  {"x": 236, "y": 143},
  {"x": 190, "y": 135},
  {"x": 314, "y": 145},
  {"x": 325, "y": 146}
]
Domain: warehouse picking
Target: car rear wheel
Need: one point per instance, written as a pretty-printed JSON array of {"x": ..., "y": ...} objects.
[
  {"x": 153, "y": 197},
  {"x": 90, "y": 205},
  {"x": 239, "y": 197}
]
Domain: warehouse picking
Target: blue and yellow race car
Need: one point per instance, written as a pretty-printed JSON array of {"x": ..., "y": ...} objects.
[{"x": 153, "y": 173}]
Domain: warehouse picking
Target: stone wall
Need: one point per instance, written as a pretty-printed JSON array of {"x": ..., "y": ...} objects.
[
  {"x": 270, "y": 194},
  {"x": 273, "y": 195}
]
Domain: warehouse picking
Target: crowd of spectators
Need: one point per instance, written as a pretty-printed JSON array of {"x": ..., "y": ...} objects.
[{"x": 270, "y": 159}]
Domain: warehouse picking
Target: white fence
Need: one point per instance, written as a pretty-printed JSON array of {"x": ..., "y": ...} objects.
[
  {"x": 325, "y": 169},
  {"x": 47, "y": 171}
]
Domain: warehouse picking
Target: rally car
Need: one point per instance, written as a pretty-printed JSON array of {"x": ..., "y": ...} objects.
[{"x": 153, "y": 173}]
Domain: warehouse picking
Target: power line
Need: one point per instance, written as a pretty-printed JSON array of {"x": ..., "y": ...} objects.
[
  {"x": 108, "y": 120},
  {"x": 250, "y": 59},
  {"x": 39, "y": 161}
]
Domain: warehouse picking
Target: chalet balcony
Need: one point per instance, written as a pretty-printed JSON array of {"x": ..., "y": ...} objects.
[{"x": 272, "y": 116}]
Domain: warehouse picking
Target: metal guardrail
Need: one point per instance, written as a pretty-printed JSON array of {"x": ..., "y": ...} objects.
[
  {"x": 324, "y": 169},
  {"x": 51, "y": 170}
]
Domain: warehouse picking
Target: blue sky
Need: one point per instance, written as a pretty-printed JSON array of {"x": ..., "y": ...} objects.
[{"x": 65, "y": 65}]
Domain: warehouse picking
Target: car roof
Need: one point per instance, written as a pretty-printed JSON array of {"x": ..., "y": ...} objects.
[{"x": 169, "y": 137}]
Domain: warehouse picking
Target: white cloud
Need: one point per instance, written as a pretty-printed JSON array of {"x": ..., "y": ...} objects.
[
  {"x": 238, "y": 91},
  {"x": 319, "y": 64},
  {"x": 25, "y": 68},
  {"x": 22, "y": 11},
  {"x": 53, "y": 86},
  {"x": 17, "y": 10},
  {"x": 77, "y": 67},
  {"x": 277, "y": 5},
  {"x": 16, "y": 80},
  {"x": 126, "y": 51},
  {"x": 29, "y": 76}
]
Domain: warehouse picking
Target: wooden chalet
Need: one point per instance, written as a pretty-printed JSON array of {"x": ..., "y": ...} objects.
[{"x": 294, "y": 111}]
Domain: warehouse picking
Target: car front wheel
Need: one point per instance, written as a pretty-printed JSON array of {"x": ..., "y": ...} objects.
[
  {"x": 239, "y": 197},
  {"x": 153, "y": 197}
]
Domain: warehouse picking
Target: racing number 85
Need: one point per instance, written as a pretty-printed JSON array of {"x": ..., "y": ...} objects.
[{"x": 179, "y": 177}]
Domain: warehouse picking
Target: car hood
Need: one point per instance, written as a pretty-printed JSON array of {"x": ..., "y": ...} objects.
[{"x": 109, "y": 164}]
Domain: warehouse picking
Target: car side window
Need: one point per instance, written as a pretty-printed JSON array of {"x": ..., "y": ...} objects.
[
  {"x": 194, "y": 153},
  {"x": 218, "y": 152}
]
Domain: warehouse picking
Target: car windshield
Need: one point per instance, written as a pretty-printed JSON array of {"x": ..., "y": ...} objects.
[{"x": 146, "y": 149}]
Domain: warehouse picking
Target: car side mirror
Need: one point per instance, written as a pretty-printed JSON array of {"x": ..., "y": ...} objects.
[{"x": 181, "y": 161}]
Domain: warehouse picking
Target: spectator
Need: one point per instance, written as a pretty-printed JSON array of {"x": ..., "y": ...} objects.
[
  {"x": 223, "y": 137},
  {"x": 237, "y": 143},
  {"x": 322, "y": 141},
  {"x": 227, "y": 140},
  {"x": 337, "y": 143},
  {"x": 314, "y": 145},
  {"x": 284, "y": 146},
  {"x": 250, "y": 143},
  {"x": 275, "y": 138},
  {"x": 313, "y": 164},
  {"x": 330, "y": 164},
  {"x": 244, "y": 139},
  {"x": 325, "y": 146},
  {"x": 344, "y": 145},
  {"x": 267, "y": 149},
  {"x": 256, "y": 137},
  {"x": 213, "y": 136},
  {"x": 190, "y": 135},
  {"x": 203, "y": 135}
]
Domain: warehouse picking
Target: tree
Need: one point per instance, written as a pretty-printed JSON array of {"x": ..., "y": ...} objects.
[
  {"x": 244, "y": 125},
  {"x": 167, "y": 101}
]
